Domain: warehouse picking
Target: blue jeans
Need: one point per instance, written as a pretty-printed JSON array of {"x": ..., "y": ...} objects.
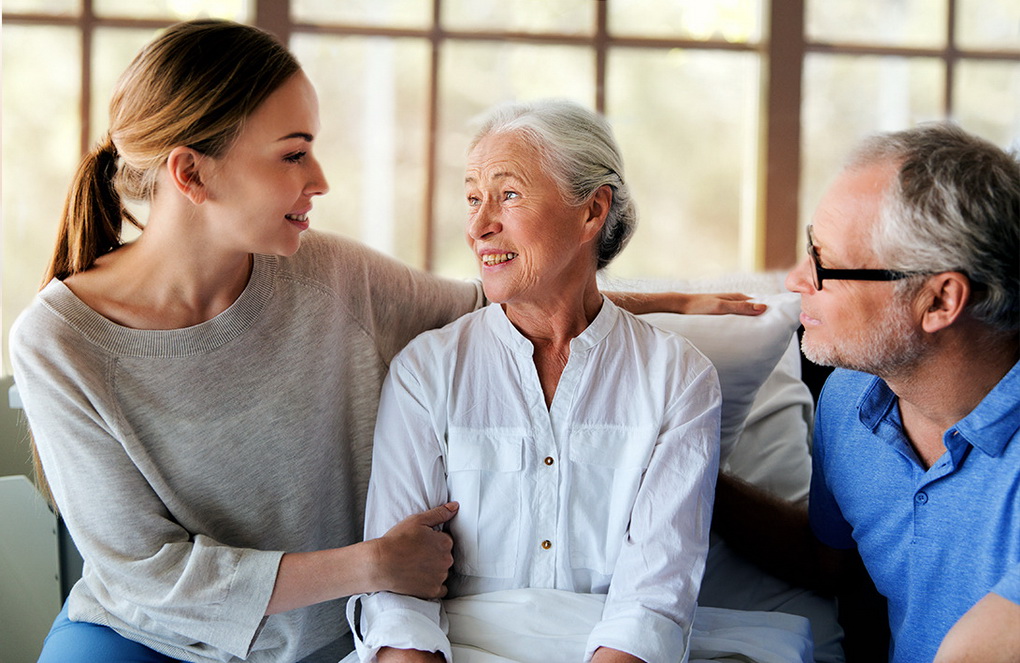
[{"x": 82, "y": 642}]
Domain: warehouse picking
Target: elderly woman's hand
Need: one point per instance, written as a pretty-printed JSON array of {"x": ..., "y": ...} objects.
[{"x": 678, "y": 302}]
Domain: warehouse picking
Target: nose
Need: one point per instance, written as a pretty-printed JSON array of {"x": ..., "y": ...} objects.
[
  {"x": 799, "y": 279},
  {"x": 483, "y": 223},
  {"x": 317, "y": 184}
]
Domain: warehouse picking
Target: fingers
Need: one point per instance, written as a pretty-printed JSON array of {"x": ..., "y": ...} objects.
[
  {"x": 735, "y": 307},
  {"x": 732, "y": 296},
  {"x": 416, "y": 557},
  {"x": 725, "y": 303},
  {"x": 733, "y": 303},
  {"x": 436, "y": 516}
]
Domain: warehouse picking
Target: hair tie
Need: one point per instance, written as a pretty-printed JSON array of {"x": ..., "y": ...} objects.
[
  {"x": 106, "y": 154},
  {"x": 106, "y": 144}
]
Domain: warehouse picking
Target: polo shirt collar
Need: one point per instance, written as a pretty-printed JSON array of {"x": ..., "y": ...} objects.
[
  {"x": 989, "y": 426},
  {"x": 995, "y": 421},
  {"x": 877, "y": 401}
]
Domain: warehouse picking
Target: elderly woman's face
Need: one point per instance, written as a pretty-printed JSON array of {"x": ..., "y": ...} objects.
[{"x": 528, "y": 241}]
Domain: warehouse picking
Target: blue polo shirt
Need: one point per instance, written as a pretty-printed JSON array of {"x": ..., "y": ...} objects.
[{"x": 935, "y": 541}]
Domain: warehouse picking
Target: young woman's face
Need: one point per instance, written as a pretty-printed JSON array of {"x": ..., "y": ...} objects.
[{"x": 260, "y": 191}]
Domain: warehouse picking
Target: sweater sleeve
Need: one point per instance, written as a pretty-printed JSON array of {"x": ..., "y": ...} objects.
[
  {"x": 145, "y": 569},
  {"x": 398, "y": 302}
]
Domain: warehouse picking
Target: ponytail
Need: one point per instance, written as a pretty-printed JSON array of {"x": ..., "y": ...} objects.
[
  {"x": 90, "y": 226},
  {"x": 93, "y": 215}
]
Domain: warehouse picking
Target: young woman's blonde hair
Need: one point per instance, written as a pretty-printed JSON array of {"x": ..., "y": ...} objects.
[{"x": 193, "y": 85}]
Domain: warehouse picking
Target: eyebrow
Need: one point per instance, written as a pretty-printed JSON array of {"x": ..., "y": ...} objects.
[
  {"x": 502, "y": 175},
  {"x": 298, "y": 134}
]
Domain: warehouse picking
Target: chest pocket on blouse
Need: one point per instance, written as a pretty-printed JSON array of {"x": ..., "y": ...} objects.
[
  {"x": 484, "y": 475},
  {"x": 607, "y": 465}
]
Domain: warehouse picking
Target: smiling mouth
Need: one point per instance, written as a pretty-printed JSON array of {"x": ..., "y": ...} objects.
[
  {"x": 490, "y": 259},
  {"x": 296, "y": 218}
]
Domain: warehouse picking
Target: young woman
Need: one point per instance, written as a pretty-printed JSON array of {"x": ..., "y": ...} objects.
[{"x": 202, "y": 399}]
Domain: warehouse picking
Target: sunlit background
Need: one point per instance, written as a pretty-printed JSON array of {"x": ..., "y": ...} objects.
[{"x": 732, "y": 114}]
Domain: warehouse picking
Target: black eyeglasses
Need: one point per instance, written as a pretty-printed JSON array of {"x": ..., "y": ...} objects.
[{"x": 822, "y": 273}]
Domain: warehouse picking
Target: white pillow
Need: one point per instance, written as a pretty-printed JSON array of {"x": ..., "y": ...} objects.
[
  {"x": 744, "y": 350},
  {"x": 774, "y": 451}
]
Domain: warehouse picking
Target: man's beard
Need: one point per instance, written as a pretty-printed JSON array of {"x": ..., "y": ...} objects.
[{"x": 885, "y": 348}]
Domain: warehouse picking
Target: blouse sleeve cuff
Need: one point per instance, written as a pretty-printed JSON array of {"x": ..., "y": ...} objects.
[
  {"x": 641, "y": 633},
  {"x": 401, "y": 622}
]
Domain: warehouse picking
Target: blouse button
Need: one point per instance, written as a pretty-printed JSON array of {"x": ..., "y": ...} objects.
[
  {"x": 547, "y": 544},
  {"x": 549, "y": 460}
]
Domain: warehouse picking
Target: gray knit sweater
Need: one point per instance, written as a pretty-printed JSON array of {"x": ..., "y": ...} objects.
[{"x": 185, "y": 462}]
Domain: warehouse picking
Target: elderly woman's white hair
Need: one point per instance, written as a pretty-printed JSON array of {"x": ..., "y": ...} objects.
[{"x": 578, "y": 149}]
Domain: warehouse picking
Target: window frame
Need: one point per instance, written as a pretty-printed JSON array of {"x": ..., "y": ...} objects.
[{"x": 782, "y": 48}]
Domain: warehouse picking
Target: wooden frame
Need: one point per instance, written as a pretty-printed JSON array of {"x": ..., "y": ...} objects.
[{"x": 783, "y": 48}]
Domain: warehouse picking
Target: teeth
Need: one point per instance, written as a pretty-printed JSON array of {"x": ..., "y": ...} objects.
[
  {"x": 297, "y": 217},
  {"x": 490, "y": 259}
]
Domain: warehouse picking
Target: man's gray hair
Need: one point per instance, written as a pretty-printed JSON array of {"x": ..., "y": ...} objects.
[
  {"x": 579, "y": 151},
  {"x": 954, "y": 206}
]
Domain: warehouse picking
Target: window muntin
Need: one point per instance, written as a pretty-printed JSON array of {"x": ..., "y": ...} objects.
[{"x": 393, "y": 152}]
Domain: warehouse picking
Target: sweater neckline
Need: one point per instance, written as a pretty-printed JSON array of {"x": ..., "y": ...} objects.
[{"x": 166, "y": 343}]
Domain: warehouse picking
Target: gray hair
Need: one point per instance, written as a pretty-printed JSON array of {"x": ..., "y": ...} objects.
[
  {"x": 955, "y": 206},
  {"x": 579, "y": 151}
]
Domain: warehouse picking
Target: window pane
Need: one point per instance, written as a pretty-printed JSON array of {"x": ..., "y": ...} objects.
[
  {"x": 691, "y": 166},
  {"x": 388, "y": 13},
  {"x": 988, "y": 24},
  {"x": 40, "y": 154},
  {"x": 473, "y": 77},
  {"x": 557, "y": 16},
  {"x": 729, "y": 20},
  {"x": 847, "y": 98},
  {"x": 58, "y": 7},
  {"x": 373, "y": 105},
  {"x": 885, "y": 22},
  {"x": 112, "y": 51},
  {"x": 237, "y": 10},
  {"x": 985, "y": 100}
]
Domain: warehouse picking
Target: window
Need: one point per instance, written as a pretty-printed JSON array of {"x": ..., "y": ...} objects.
[
  {"x": 731, "y": 114},
  {"x": 882, "y": 65}
]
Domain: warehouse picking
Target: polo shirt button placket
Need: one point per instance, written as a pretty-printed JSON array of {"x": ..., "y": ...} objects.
[{"x": 921, "y": 499}]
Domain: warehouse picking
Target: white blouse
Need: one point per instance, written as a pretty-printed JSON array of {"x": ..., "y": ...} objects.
[{"x": 609, "y": 490}]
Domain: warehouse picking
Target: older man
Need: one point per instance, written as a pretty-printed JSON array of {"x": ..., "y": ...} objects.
[{"x": 911, "y": 290}]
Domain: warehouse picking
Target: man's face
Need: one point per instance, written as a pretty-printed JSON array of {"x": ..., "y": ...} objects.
[{"x": 861, "y": 325}]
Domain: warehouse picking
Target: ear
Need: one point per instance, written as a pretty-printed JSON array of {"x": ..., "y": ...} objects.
[
  {"x": 596, "y": 210},
  {"x": 184, "y": 166},
  {"x": 944, "y": 297}
]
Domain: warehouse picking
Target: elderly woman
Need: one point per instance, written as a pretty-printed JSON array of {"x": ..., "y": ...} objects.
[{"x": 580, "y": 442}]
